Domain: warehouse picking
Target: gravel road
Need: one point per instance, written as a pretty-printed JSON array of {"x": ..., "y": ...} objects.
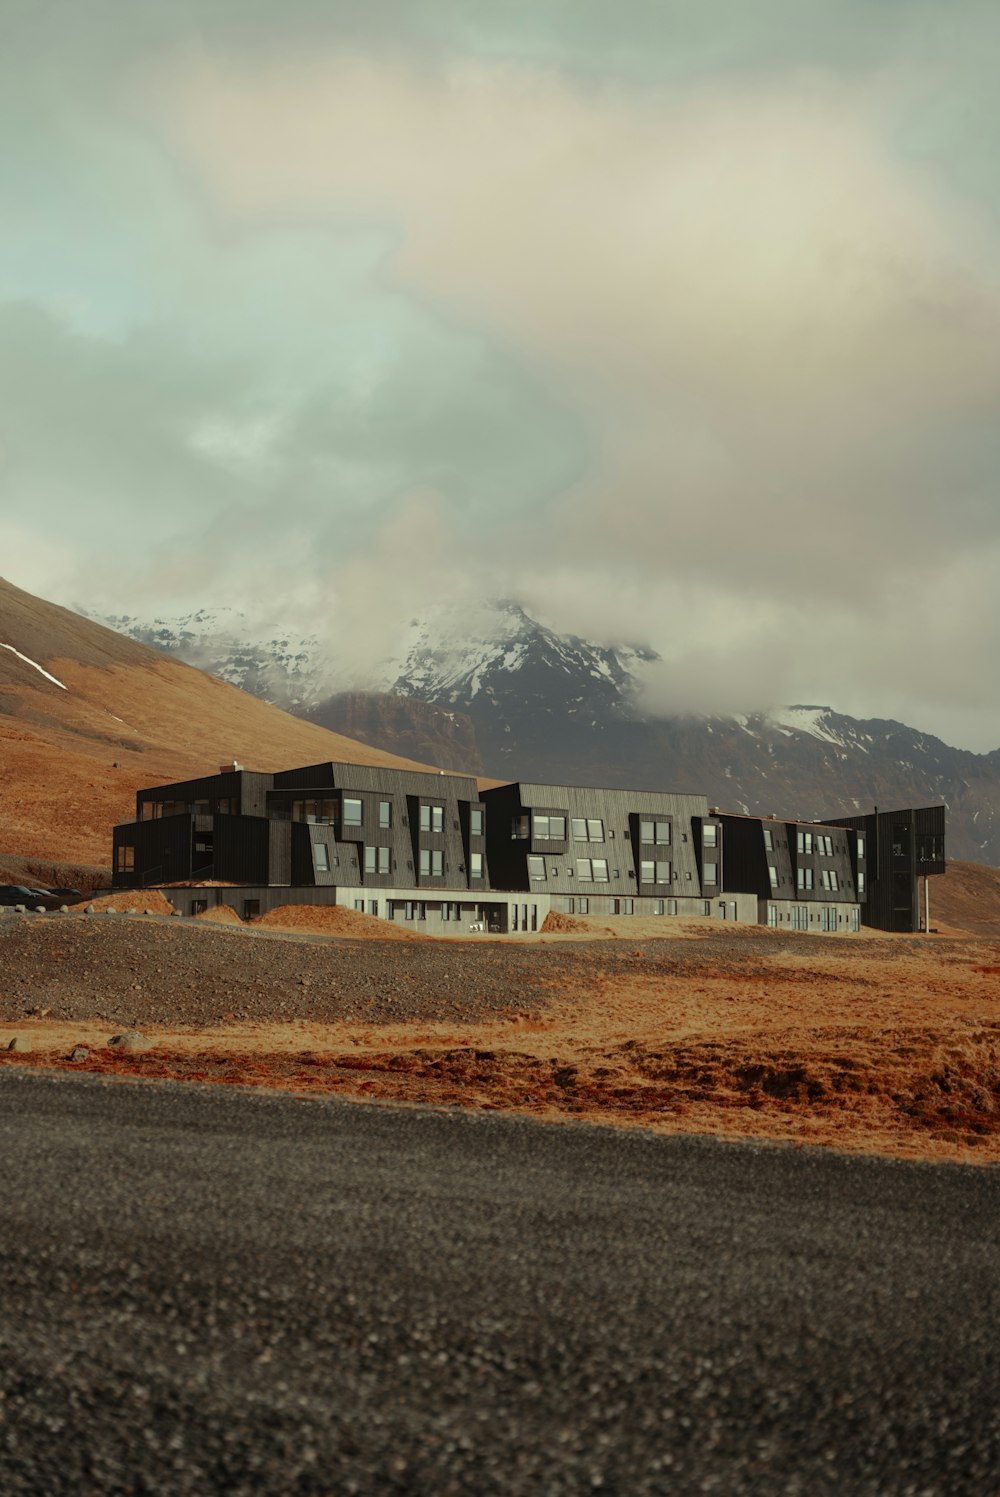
[
  {"x": 208, "y": 1291},
  {"x": 131, "y": 970}
]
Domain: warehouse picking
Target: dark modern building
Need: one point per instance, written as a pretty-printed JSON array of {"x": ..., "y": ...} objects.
[{"x": 433, "y": 849}]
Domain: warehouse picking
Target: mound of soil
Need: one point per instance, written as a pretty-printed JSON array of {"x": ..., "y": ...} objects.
[{"x": 335, "y": 920}]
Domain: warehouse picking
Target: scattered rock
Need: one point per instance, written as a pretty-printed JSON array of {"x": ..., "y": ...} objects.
[
  {"x": 22, "y": 1047},
  {"x": 90, "y": 910},
  {"x": 39, "y": 909},
  {"x": 131, "y": 1040},
  {"x": 79, "y": 1052},
  {"x": 131, "y": 910},
  {"x": 111, "y": 910},
  {"x": 20, "y": 909}
]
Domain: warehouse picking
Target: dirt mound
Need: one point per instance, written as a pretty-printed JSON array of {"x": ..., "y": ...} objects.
[
  {"x": 556, "y": 922},
  {"x": 224, "y": 913},
  {"x": 131, "y": 899},
  {"x": 335, "y": 920}
]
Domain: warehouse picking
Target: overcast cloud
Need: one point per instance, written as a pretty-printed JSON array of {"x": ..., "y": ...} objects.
[{"x": 679, "y": 322}]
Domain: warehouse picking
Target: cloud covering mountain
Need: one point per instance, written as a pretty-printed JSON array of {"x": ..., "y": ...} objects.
[{"x": 679, "y": 323}]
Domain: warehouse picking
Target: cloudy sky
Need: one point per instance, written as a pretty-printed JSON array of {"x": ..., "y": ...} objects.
[{"x": 679, "y": 320}]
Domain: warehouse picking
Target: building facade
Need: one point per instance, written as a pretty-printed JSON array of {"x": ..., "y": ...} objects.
[{"x": 435, "y": 850}]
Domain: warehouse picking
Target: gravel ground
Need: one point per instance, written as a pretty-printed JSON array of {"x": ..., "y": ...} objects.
[
  {"x": 216, "y": 1292},
  {"x": 131, "y": 970}
]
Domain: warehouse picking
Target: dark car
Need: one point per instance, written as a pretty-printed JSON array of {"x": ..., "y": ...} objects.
[
  {"x": 22, "y": 894},
  {"x": 68, "y": 896}
]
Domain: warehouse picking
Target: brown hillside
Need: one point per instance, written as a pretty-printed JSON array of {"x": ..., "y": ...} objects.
[
  {"x": 72, "y": 759},
  {"x": 967, "y": 898}
]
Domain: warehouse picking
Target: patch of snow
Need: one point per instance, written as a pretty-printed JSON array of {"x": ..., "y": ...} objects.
[{"x": 40, "y": 669}]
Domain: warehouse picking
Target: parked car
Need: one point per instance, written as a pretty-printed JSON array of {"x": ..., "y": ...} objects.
[
  {"x": 68, "y": 896},
  {"x": 24, "y": 894}
]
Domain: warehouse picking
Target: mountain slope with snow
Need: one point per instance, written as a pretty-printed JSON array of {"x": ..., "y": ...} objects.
[{"x": 518, "y": 700}]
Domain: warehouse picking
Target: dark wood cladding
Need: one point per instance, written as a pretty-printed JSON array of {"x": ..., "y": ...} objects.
[{"x": 367, "y": 828}]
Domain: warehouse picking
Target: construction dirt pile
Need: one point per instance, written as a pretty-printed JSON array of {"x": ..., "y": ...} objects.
[
  {"x": 882, "y": 1044},
  {"x": 334, "y": 920}
]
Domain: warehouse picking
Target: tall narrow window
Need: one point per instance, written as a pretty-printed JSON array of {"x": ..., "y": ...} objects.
[
  {"x": 536, "y": 868},
  {"x": 351, "y": 813},
  {"x": 475, "y": 822},
  {"x": 385, "y": 813},
  {"x": 710, "y": 835},
  {"x": 321, "y": 857},
  {"x": 711, "y": 873}
]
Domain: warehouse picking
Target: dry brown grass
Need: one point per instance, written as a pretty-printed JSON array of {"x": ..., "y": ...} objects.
[{"x": 884, "y": 1046}]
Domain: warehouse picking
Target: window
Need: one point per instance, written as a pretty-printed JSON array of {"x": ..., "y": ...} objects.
[
  {"x": 351, "y": 811},
  {"x": 420, "y": 909},
  {"x": 315, "y": 810},
  {"x": 671, "y": 907},
  {"x": 800, "y": 917},
  {"x": 930, "y": 848},
  {"x": 628, "y": 906},
  {"x": 855, "y": 919},
  {"x": 804, "y": 841},
  {"x": 772, "y": 914},
  {"x": 861, "y": 880},
  {"x": 584, "y": 906},
  {"x": 830, "y": 879},
  {"x": 711, "y": 873},
  {"x": 359, "y": 905},
  {"x": 829, "y": 918},
  {"x": 861, "y": 846},
  {"x": 657, "y": 832},
  {"x": 549, "y": 828},
  {"x": 378, "y": 859},
  {"x": 647, "y": 873},
  {"x": 373, "y": 907},
  {"x": 768, "y": 839},
  {"x": 385, "y": 813},
  {"x": 520, "y": 828},
  {"x": 431, "y": 862},
  {"x": 710, "y": 835},
  {"x": 475, "y": 865},
  {"x": 432, "y": 818},
  {"x": 475, "y": 822},
  {"x": 706, "y": 906},
  {"x": 321, "y": 857},
  {"x": 825, "y": 845},
  {"x": 772, "y": 873},
  {"x": 805, "y": 878},
  {"x": 658, "y": 906},
  {"x": 536, "y": 868},
  {"x": 594, "y": 869},
  {"x": 125, "y": 862},
  {"x": 595, "y": 830},
  {"x": 579, "y": 829},
  {"x": 655, "y": 873}
]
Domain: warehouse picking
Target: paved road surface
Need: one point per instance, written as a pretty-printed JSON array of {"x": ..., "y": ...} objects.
[{"x": 212, "y": 1291}]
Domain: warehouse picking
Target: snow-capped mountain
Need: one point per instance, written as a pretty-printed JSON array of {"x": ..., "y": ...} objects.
[{"x": 491, "y": 689}]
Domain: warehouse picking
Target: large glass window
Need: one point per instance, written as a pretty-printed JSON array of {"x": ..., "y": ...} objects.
[
  {"x": 351, "y": 811},
  {"x": 431, "y": 862},
  {"x": 536, "y": 868},
  {"x": 315, "y": 810},
  {"x": 378, "y": 860},
  {"x": 656, "y": 832},
  {"x": 549, "y": 828},
  {"x": 476, "y": 822},
  {"x": 432, "y": 818}
]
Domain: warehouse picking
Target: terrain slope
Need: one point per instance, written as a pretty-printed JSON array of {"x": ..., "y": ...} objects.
[
  {"x": 88, "y": 716},
  {"x": 878, "y": 1044}
]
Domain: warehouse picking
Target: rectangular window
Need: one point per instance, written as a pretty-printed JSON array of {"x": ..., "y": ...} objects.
[
  {"x": 599, "y": 867},
  {"x": 408, "y": 910},
  {"x": 126, "y": 860},
  {"x": 768, "y": 839},
  {"x": 359, "y": 905},
  {"x": 579, "y": 829},
  {"x": 475, "y": 865},
  {"x": 658, "y": 906},
  {"x": 475, "y": 822},
  {"x": 834, "y": 880},
  {"x": 385, "y": 813},
  {"x": 855, "y": 919},
  {"x": 373, "y": 907},
  {"x": 711, "y": 873},
  {"x": 370, "y": 864},
  {"x": 805, "y": 878},
  {"x": 432, "y": 818},
  {"x": 420, "y": 909},
  {"x": 584, "y": 906},
  {"x": 520, "y": 828},
  {"x": 663, "y": 872},
  {"x": 431, "y": 862},
  {"x": 385, "y": 860},
  {"x": 549, "y": 828},
  {"x": 536, "y": 868},
  {"x": 321, "y": 855},
  {"x": 772, "y": 914},
  {"x": 647, "y": 873},
  {"x": 804, "y": 841},
  {"x": 772, "y": 874},
  {"x": 657, "y": 832},
  {"x": 671, "y": 907},
  {"x": 710, "y": 835},
  {"x": 251, "y": 909},
  {"x": 800, "y": 918},
  {"x": 861, "y": 846},
  {"x": 861, "y": 880},
  {"x": 706, "y": 906},
  {"x": 595, "y": 830},
  {"x": 628, "y": 906},
  {"x": 351, "y": 811}
]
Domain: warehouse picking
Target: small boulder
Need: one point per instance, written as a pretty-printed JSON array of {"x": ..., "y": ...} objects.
[
  {"x": 90, "y": 910},
  {"x": 20, "y": 909},
  {"x": 111, "y": 910},
  {"x": 131, "y": 1040},
  {"x": 21, "y": 1047},
  {"x": 79, "y": 1052},
  {"x": 39, "y": 909}
]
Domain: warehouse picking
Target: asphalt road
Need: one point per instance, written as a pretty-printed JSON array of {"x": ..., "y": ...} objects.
[{"x": 213, "y": 1291}]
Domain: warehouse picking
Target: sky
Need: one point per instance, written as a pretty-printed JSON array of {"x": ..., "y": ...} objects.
[{"x": 677, "y": 322}]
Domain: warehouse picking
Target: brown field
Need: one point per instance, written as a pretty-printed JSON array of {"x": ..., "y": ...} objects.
[{"x": 879, "y": 1044}]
